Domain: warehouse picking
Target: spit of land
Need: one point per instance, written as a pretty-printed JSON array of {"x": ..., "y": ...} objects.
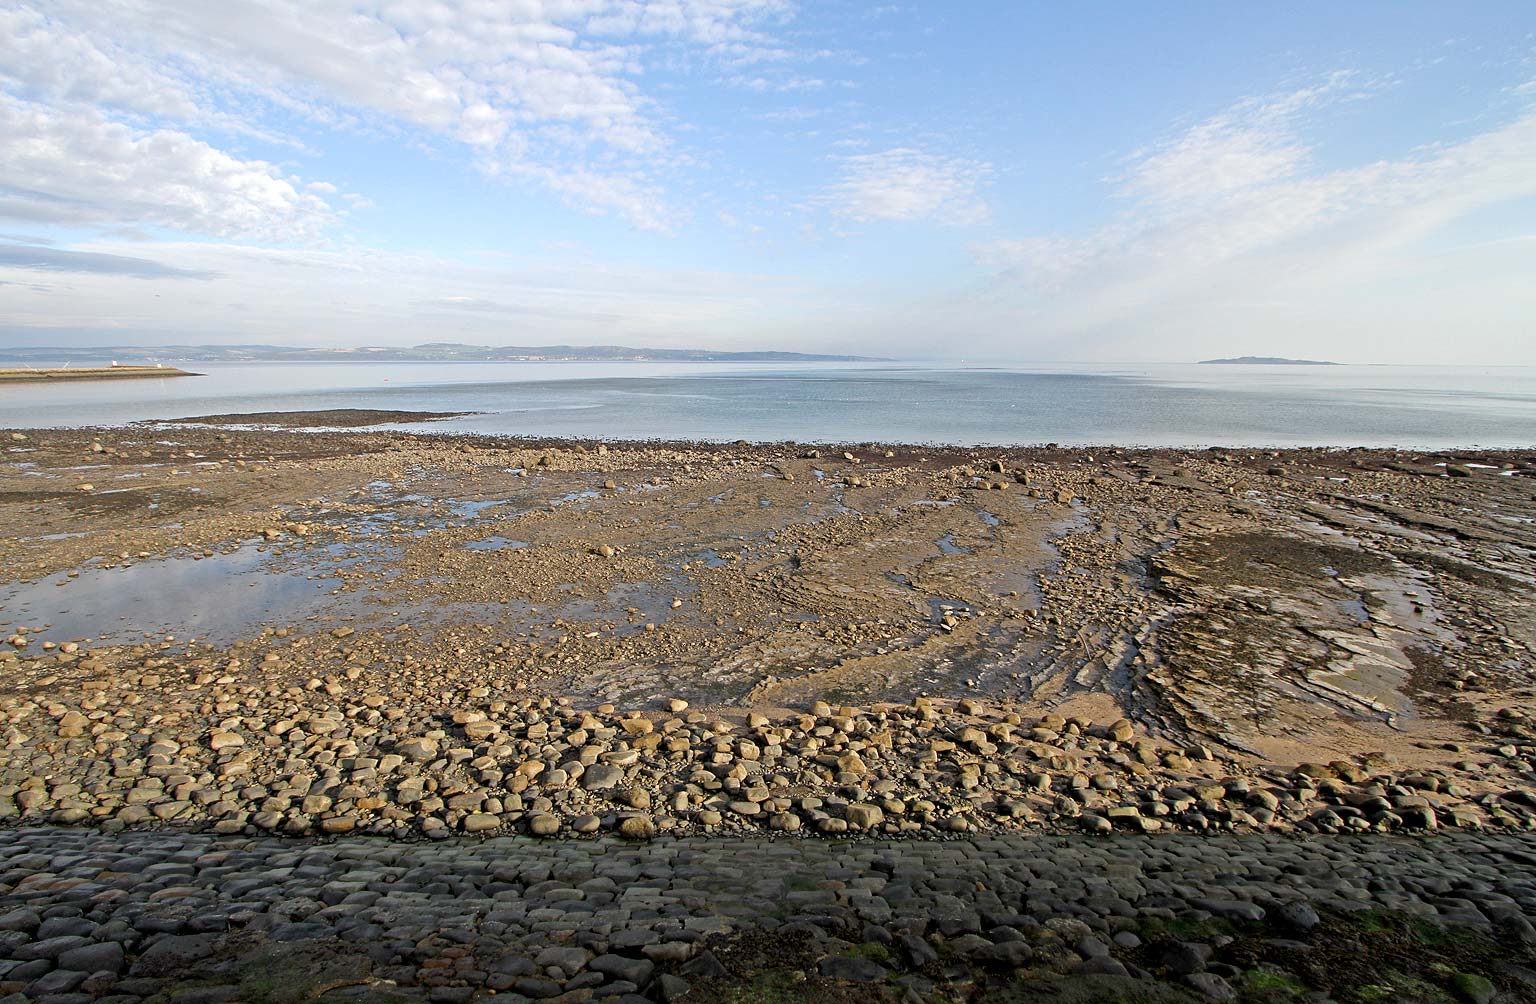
[{"x": 45, "y": 375}]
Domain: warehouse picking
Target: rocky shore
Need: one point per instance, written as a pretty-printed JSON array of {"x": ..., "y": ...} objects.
[
  {"x": 365, "y": 715},
  {"x": 486, "y": 636},
  {"x": 182, "y": 918},
  {"x": 325, "y": 759}
]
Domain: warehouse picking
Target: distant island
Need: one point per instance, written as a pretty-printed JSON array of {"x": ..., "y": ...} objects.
[
  {"x": 428, "y": 352},
  {"x": 1264, "y": 361},
  {"x": 56, "y": 374}
]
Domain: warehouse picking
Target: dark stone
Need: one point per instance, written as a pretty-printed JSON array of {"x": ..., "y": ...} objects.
[
  {"x": 917, "y": 951},
  {"x": 532, "y": 986},
  {"x": 1006, "y": 954},
  {"x": 619, "y": 967},
  {"x": 854, "y": 970},
  {"x": 300, "y": 931},
  {"x": 53, "y": 927},
  {"x": 1180, "y": 958},
  {"x": 513, "y": 965},
  {"x": 99, "y": 957},
  {"x": 705, "y": 966},
  {"x": 1231, "y": 909},
  {"x": 60, "y": 981},
  {"x": 1211, "y": 986},
  {"x": 1297, "y": 916},
  {"x": 1102, "y": 966},
  {"x": 173, "y": 954},
  {"x": 50, "y": 948},
  {"x": 672, "y": 988}
]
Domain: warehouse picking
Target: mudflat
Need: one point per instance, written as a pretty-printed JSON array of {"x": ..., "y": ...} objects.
[
  {"x": 29, "y": 375},
  {"x": 406, "y": 635},
  {"x": 334, "y": 418}
]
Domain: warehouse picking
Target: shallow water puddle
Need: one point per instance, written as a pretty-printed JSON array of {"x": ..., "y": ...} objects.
[
  {"x": 947, "y": 545},
  {"x": 224, "y": 597},
  {"x": 496, "y": 544}
]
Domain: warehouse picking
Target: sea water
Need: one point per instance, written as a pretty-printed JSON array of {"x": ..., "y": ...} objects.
[{"x": 1416, "y": 407}]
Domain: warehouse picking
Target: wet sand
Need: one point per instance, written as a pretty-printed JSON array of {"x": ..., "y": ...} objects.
[{"x": 954, "y": 640}]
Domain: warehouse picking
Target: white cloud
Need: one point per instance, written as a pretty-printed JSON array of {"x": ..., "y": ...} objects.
[
  {"x": 909, "y": 184},
  {"x": 537, "y": 89},
  {"x": 78, "y": 167},
  {"x": 1252, "y": 143},
  {"x": 1233, "y": 231}
]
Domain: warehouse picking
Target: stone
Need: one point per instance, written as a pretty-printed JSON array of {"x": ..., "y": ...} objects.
[
  {"x": 672, "y": 988},
  {"x": 1231, "y": 909},
  {"x": 1180, "y": 958},
  {"x": 917, "y": 951},
  {"x": 569, "y": 960},
  {"x": 49, "y": 948},
  {"x": 863, "y": 816},
  {"x": 600, "y": 777},
  {"x": 420, "y": 750},
  {"x": 1102, "y": 965},
  {"x": 1006, "y": 954},
  {"x": 58, "y": 982},
  {"x": 619, "y": 967},
  {"x": 1473, "y": 989},
  {"x": 637, "y": 828},
  {"x": 1212, "y": 986},
  {"x": 99, "y": 957},
  {"x": 1297, "y": 916},
  {"x": 173, "y": 954},
  {"x": 705, "y": 966},
  {"x": 851, "y": 969}
]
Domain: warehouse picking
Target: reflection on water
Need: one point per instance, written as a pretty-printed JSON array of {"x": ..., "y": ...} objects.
[{"x": 223, "y": 598}]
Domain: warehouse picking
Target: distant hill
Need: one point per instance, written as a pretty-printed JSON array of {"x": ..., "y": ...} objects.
[
  {"x": 1264, "y": 361},
  {"x": 429, "y": 352}
]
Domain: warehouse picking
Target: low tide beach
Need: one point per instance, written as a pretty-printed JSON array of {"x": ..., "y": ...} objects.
[{"x": 256, "y": 634}]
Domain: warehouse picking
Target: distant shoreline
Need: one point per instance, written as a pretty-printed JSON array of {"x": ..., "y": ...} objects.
[
  {"x": 1266, "y": 361},
  {"x": 67, "y": 374},
  {"x": 426, "y": 353}
]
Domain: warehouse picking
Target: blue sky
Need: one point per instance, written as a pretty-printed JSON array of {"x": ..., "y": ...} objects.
[{"x": 1115, "y": 181}]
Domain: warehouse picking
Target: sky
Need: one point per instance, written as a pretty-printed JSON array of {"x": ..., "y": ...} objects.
[{"x": 1021, "y": 181}]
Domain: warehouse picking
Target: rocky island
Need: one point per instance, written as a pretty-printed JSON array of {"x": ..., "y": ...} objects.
[{"x": 1264, "y": 361}]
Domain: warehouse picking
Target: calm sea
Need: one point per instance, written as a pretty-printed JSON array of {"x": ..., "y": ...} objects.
[{"x": 1155, "y": 405}]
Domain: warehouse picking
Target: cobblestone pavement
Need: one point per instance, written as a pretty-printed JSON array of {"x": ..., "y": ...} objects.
[{"x": 198, "y": 919}]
